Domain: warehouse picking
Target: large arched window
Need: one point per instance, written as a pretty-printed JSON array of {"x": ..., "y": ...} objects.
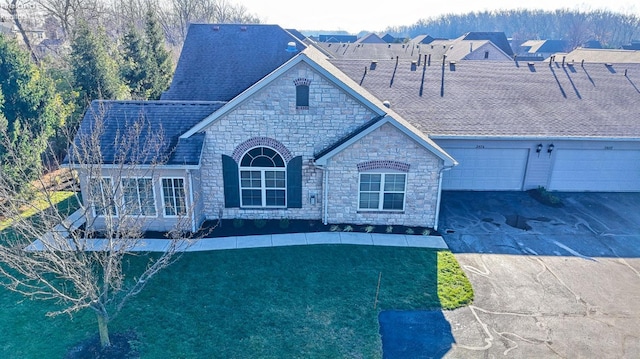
[{"x": 263, "y": 178}]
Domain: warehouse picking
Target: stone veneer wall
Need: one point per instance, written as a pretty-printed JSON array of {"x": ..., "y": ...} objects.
[
  {"x": 272, "y": 113},
  {"x": 386, "y": 143}
]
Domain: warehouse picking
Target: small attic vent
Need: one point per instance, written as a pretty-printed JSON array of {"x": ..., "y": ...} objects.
[
  {"x": 291, "y": 47},
  {"x": 216, "y": 28},
  {"x": 373, "y": 65},
  {"x": 243, "y": 28},
  {"x": 387, "y": 104}
]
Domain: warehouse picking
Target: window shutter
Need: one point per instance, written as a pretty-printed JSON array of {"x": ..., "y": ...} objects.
[
  {"x": 231, "y": 182},
  {"x": 294, "y": 183}
]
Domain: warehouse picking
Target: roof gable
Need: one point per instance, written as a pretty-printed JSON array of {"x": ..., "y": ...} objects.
[
  {"x": 498, "y": 38},
  {"x": 219, "y": 61},
  {"x": 316, "y": 60}
]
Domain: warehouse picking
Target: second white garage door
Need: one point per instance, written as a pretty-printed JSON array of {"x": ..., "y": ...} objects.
[
  {"x": 596, "y": 170},
  {"x": 486, "y": 169}
]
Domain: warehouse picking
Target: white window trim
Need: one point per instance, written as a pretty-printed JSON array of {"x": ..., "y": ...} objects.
[
  {"x": 186, "y": 202},
  {"x": 111, "y": 190},
  {"x": 153, "y": 191},
  {"x": 381, "y": 192},
  {"x": 263, "y": 186}
]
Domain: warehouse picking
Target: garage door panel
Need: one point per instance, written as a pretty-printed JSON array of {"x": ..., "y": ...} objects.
[
  {"x": 596, "y": 170},
  {"x": 486, "y": 169}
]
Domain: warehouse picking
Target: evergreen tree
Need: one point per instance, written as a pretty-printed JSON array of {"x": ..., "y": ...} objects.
[
  {"x": 135, "y": 64},
  {"x": 160, "y": 65},
  {"x": 95, "y": 71},
  {"x": 30, "y": 111}
]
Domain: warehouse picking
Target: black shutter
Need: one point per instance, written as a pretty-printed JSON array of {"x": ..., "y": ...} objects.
[
  {"x": 294, "y": 183},
  {"x": 231, "y": 182}
]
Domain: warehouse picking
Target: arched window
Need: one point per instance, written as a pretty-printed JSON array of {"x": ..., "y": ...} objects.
[{"x": 263, "y": 178}]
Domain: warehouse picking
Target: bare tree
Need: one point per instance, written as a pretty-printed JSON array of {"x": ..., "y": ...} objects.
[
  {"x": 69, "y": 12},
  {"x": 176, "y": 15},
  {"x": 14, "y": 8},
  {"x": 48, "y": 257}
]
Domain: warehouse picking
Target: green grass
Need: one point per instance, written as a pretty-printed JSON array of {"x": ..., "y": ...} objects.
[
  {"x": 286, "y": 302},
  {"x": 64, "y": 200}
]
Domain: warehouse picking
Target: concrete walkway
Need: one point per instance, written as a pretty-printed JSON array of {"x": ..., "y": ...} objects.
[
  {"x": 270, "y": 240},
  {"x": 297, "y": 239}
]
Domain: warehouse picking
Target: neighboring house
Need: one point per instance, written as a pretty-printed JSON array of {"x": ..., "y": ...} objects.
[
  {"x": 601, "y": 55},
  {"x": 498, "y": 38},
  {"x": 337, "y": 38},
  {"x": 258, "y": 125},
  {"x": 633, "y": 45},
  {"x": 371, "y": 38},
  {"x": 542, "y": 48},
  {"x": 455, "y": 50}
]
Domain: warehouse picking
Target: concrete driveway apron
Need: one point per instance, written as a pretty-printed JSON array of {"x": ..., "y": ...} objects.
[{"x": 549, "y": 282}]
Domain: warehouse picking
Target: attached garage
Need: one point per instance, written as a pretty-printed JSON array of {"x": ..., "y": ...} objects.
[
  {"x": 486, "y": 169},
  {"x": 596, "y": 170}
]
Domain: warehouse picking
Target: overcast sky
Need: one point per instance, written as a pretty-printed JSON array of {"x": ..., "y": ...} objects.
[{"x": 357, "y": 15}]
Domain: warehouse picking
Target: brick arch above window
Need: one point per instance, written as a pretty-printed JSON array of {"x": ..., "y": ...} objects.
[
  {"x": 376, "y": 165},
  {"x": 302, "y": 81},
  {"x": 260, "y": 142}
]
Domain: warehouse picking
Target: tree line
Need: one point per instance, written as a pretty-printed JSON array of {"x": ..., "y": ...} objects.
[
  {"x": 576, "y": 27},
  {"x": 107, "y": 49}
]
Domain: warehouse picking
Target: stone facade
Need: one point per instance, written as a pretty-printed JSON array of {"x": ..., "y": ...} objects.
[
  {"x": 385, "y": 144},
  {"x": 270, "y": 118},
  {"x": 271, "y": 115}
]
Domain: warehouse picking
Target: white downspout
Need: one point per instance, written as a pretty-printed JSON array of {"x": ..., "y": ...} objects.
[
  {"x": 325, "y": 193},
  {"x": 191, "y": 203},
  {"x": 325, "y": 197},
  {"x": 439, "y": 197}
]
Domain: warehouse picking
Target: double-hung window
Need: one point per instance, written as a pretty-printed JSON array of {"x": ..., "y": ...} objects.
[
  {"x": 263, "y": 179},
  {"x": 102, "y": 197},
  {"x": 173, "y": 195},
  {"x": 382, "y": 191},
  {"x": 138, "y": 196}
]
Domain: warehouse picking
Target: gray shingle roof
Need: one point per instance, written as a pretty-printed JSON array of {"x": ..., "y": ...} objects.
[
  {"x": 143, "y": 132},
  {"x": 219, "y": 61},
  {"x": 501, "y": 99},
  {"x": 497, "y": 37}
]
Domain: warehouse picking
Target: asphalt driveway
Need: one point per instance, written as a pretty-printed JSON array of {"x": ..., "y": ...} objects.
[{"x": 549, "y": 282}]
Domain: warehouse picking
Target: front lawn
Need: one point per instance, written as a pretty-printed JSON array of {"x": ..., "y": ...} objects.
[{"x": 283, "y": 302}]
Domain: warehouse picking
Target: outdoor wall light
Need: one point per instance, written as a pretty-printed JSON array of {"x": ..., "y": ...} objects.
[
  {"x": 539, "y": 149},
  {"x": 550, "y": 149}
]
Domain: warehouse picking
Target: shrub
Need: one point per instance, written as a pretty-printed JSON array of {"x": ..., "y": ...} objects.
[
  {"x": 389, "y": 229},
  {"x": 335, "y": 228},
  {"x": 348, "y": 229},
  {"x": 284, "y": 223},
  {"x": 238, "y": 223},
  {"x": 426, "y": 232},
  {"x": 409, "y": 231},
  {"x": 260, "y": 223},
  {"x": 369, "y": 229}
]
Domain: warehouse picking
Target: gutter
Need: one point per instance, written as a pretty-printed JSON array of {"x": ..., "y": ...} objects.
[{"x": 533, "y": 138}]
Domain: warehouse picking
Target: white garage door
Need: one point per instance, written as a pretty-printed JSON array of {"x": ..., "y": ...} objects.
[
  {"x": 596, "y": 170},
  {"x": 486, "y": 169}
]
